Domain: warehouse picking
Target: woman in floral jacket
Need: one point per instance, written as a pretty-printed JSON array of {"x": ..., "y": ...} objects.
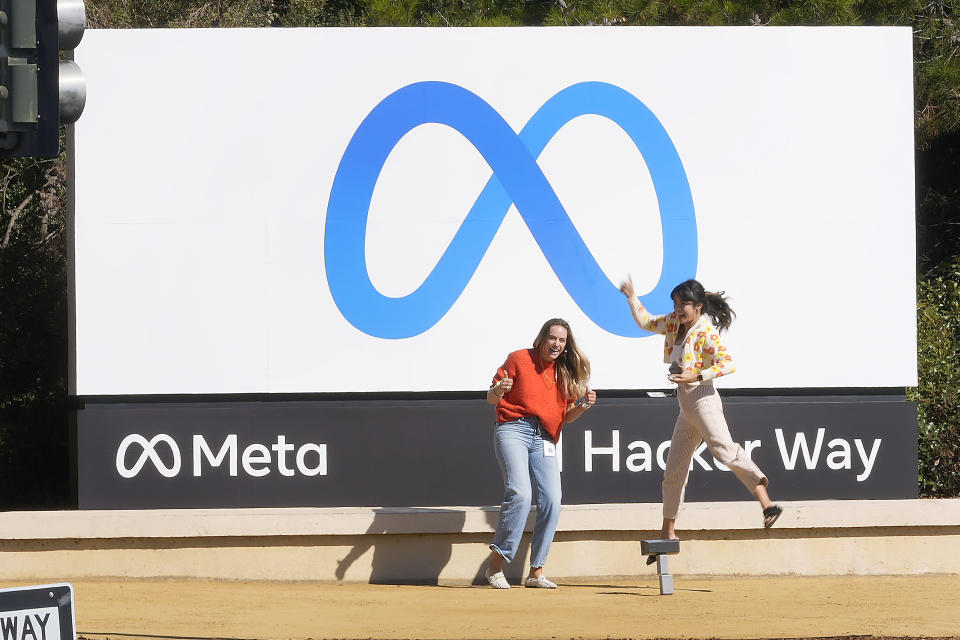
[{"x": 696, "y": 356}]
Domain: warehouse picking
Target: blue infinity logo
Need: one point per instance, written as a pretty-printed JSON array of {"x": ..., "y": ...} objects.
[{"x": 516, "y": 179}]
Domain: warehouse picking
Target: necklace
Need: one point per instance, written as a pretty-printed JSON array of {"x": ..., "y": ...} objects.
[{"x": 547, "y": 382}]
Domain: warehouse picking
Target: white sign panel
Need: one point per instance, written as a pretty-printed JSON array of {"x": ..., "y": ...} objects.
[
  {"x": 335, "y": 210},
  {"x": 30, "y": 624}
]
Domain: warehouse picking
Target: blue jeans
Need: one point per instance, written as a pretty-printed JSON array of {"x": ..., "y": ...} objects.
[{"x": 519, "y": 449}]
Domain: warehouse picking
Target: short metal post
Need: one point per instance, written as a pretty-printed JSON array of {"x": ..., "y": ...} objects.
[{"x": 663, "y": 572}]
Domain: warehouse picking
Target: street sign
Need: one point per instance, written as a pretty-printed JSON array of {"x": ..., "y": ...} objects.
[{"x": 43, "y": 612}]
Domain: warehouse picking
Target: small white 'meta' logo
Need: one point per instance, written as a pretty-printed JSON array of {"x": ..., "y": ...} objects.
[
  {"x": 256, "y": 459},
  {"x": 149, "y": 453}
]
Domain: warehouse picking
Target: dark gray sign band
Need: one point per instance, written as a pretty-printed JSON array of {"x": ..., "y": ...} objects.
[{"x": 440, "y": 452}]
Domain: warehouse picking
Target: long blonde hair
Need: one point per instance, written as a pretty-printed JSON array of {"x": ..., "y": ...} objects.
[{"x": 573, "y": 368}]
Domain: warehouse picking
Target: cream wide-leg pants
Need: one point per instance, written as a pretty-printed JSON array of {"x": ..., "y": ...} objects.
[{"x": 701, "y": 420}]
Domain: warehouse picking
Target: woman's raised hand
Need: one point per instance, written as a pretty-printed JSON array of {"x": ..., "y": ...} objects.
[
  {"x": 590, "y": 398},
  {"x": 504, "y": 385},
  {"x": 626, "y": 287}
]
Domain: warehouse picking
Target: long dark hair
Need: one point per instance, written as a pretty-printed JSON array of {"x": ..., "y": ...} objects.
[
  {"x": 714, "y": 302},
  {"x": 573, "y": 368}
]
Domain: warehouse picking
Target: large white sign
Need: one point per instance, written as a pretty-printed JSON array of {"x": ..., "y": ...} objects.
[{"x": 331, "y": 210}]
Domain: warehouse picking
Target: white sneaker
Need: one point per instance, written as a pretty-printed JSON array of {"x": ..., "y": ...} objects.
[
  {"x": 539, "y": 583},
  {"x": 497, "y": 580}
]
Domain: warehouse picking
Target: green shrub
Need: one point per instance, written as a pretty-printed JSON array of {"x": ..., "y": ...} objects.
[{"x": 938, "y": 392}]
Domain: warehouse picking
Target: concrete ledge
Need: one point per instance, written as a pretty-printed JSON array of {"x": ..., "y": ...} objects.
[
  {"x": 707, "y": 516},
  {"x": 449, "y": 544}
]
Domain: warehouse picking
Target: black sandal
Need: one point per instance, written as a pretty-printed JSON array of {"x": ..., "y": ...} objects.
[{"x": 770, "y": 515}]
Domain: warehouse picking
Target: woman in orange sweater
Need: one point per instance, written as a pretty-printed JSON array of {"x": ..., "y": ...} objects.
[{"x": 536, "y": 391}]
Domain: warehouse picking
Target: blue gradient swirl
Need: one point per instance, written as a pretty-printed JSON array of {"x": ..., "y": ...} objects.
[{"x": 516, "y": 179}]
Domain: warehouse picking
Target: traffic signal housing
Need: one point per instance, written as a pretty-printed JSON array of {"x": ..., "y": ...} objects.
[{"x": 38, "y": 91}]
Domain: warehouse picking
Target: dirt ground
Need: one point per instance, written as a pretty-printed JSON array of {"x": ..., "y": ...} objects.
[{"x": 748, "y": 607}]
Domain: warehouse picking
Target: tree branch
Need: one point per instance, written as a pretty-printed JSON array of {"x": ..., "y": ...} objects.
[{"x": 13, "y": 220}]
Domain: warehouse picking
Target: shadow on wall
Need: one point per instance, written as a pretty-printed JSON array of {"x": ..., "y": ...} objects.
[{"x": 419, "y": 560}]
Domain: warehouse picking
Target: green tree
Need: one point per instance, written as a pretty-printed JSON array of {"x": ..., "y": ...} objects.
[{"x": 34, "y": 461}]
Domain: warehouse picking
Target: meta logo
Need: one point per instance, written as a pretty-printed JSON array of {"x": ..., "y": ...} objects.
[
  {"x": 256, "y": 460},
  {"x": 516, "y": 180}
]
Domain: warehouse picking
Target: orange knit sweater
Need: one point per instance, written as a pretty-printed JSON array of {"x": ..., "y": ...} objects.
[{"x": 535, "y": 392}]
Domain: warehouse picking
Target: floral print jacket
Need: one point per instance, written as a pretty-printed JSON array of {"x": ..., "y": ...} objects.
[{"x": 703, "y": 352}]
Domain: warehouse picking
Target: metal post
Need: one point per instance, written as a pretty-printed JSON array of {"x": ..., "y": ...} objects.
[{"x": 663, "y": 572}]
